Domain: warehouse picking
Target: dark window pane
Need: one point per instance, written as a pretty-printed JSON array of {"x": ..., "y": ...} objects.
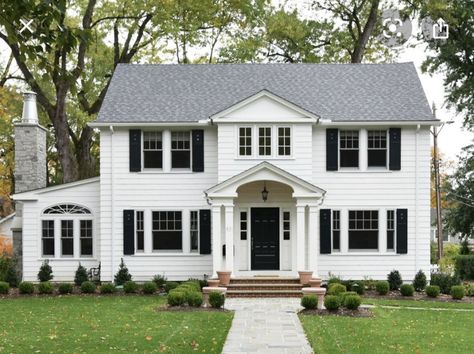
[
  {"x": 180, "y": 159},
  {"x": 286, "y": 235},
  {"x": 243, "y": 235},
  {"x": 390, "y": 239},
  {"x": 140, "y": 241},
  {"x": 48, "y": 246},
  {"x": 167, "y": 240},
  {"x": 86, "y": 247},
  {"x": 153, "y": 159},
  {"x": 336, "y": 240},
  {"x": 377, "y": 158},
  {"x": 349, "y": 158},
  {"x": 363, "y": 239},
  {"x": 67, "y": 246}
]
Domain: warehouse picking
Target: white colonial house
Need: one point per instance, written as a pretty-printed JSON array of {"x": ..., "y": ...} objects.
[{"x": 255, "y": 169}]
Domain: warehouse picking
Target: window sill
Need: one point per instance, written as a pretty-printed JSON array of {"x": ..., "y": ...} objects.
[
  {"x": 165, "y": 254},
  {"x": 273, "y": 158},
  {"x": 159, "y": 171},
  {"x": 358, "y": 170},
  {"x": 357, "y": 253},
  {"x": 52, "y": 259}
]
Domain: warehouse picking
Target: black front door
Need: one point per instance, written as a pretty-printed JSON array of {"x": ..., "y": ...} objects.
[{"x": 265, "y": 238}]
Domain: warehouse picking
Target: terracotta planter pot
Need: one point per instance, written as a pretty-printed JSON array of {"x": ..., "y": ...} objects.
[
  {"x": 224, "y": 277},
  {"x": 305, "y": 276},
  {"x": 315, "y": 282},
  {"x": 213, "y": 283}
]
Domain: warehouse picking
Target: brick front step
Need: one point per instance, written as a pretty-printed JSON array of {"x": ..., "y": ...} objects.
[
  {"x": 264, "y": 293},
  {"x": 261, "y": 287},
  {"x": 265, "y": 280}
]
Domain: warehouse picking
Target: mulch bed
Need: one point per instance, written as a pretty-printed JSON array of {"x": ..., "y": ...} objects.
[
  {"x": 166, "y": 307},
  {"x": 361, "y": 312},
  {"x": 395, "y": 295},
  {"x": 15, "y": 293}
]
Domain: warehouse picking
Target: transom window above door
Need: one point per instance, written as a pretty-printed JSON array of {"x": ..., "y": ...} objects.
[{"x": 266, "y": 142}]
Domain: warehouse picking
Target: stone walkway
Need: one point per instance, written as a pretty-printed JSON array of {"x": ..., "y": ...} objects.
[{"x": 268, "y": 325}]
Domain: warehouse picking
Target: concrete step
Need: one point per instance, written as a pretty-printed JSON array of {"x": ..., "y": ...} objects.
[{"x": 264, "y": 293}]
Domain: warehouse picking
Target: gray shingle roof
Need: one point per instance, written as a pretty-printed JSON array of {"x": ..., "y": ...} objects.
[{"x": 339, "y": 92}]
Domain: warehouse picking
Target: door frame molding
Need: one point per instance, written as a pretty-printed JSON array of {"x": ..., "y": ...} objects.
[{"x": 280, "y": 233}]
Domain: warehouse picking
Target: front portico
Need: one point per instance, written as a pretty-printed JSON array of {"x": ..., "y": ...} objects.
[{"x": 278, "y": 235}]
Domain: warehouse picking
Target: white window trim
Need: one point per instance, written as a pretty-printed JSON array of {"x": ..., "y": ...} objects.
[
  {"x": 365, "y": 250},
  {"x": 252, "y": 137},
  {"x": 340, "y": 231},
  {"x": 277, "y": 145},
  {"x": 394, "y": 250},
  {"x": 387, "y": 153},
  {"x": 181, "y": 169},
  {"x": 255, "y": 143},
  {"x": 351, "y": 169},
  {"x": 135, "y": 230},
  {"x": 183, "y": 232},
  {"x": 198, "y": 250},
  {"x": 162, "y": 151}
]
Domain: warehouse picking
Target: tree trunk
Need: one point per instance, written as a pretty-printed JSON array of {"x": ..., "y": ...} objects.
[
  {"x": 359, "y": 49},
  {"x": 86, "y": 161}
]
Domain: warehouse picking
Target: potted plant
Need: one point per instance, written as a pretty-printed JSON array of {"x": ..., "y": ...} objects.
[
  {"x": 224, "y": 277},
  {"x": 315, "y": 282},
  {"x": 305, "y": 276}
]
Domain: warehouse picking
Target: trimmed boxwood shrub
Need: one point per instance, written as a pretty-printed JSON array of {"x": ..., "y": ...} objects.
[
  {"x": 309, "y": 302},
  {"x": 358, "y": 287},
  {"x": 419, "y": 283},
  {"x": 194, "y": 299},
  {"x": 130, "y": 287},
  {"x": 81, "y": 275},
  {"x": 347, "y": 293},
  {"x": 444, "y": 281},
  {"x": 394, "y": 280},
  {"x": 170, "y": 285},
  {"x": 176, "y": 298},
  {"x": 382, "y": 287},
  {"x": 107, "y": 288},
  {"x": 216, "y": 299},
  {"x": 4, "y": 287},
  {"x": 149, "y": 287},
  {"x": 336, "y": 289},
  {"x": 88, "y": 287},
  {"x": 470, "y": 289},
  {"x": 65, "y": 288},
  {"x": 432, "y": 290},
  {"x": 334, "y": 280},
  {"x": 332, "y": 302},
  {"x": 159, "y": 280},
  {"x": 45, "y": 287},
  {"x": 26, "y": 287},
  {"x": 194, "y": 284},
  {"x": 465, "y": 266},
  {"x": 457, "y": 292},
  {"x": 352, "y": 302},
  {"x": 407, "y": 290}
]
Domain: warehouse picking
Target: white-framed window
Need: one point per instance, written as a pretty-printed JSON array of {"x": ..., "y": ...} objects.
[
  {"x": 194, "y": 230},
  {"x": 67, "y": 238},
  {"x": 265, "y": 141},
  {"x": 243, "y": 225},
  {"x": 47, "y": 238},
  {"x": 349, "y": 148},
  {"x": 181, "y": 149},
  {"x": 167, "y": 230},
  {"x": 245, "y": 141},
  {"x": 336, "y": 230},
  {"x": 286, "y": 225},
  {"x": 377, "y": 148},
  {"x": 363, "y": 229},
  {"x": 86, "y": 232},
  {"x": 152, "y": 149},
  {"x": 391, "y": 230},
  {"x": 284, "y": 141},
  {"x": 140, "y": 230}
]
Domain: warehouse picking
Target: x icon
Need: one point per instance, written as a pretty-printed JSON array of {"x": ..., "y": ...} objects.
[{"x": 26, "y": 25}]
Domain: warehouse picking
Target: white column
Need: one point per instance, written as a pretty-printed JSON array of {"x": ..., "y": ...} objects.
[
  {"x": 229, "y": 237},
  {"x": 166, "y": 136},
  {"x": 313, "y": 239},
  {"x": 300, "y": 237},
  {"x": 216, "y": 240}
]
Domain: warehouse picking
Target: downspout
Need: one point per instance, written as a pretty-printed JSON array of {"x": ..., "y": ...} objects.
[
  {"x": 112, "y": 203},
  {"x": 416, "y": 196}
]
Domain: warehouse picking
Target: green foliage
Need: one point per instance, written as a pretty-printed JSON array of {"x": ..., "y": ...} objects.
[
  {"x": 394, "y": 279},
  {"x": 369, "y": 283},
  {"x": 332, "y": 302},
  {"x": 193, "y": 284},
  {"x": 81, "y": 275},
  {"x": 4, "y": 287},
  {"x": 7, "y": 270},
  {"x": 170, "y": 285},
  {"x": 176, "y": 298},
  {"x": 432, "y": 290},
  {"x": 309, "y": 302},
  {"x": 202, "y": 282},
  {"x": 149, "y": 287},
  {"x": 464, "y": 250},
  {"x": 352, "y": 302},
  {"x": 159, "y": 280},
  {"x": 65, "y": 288},
  {"x": 122, "y": 275},
  {"x": 419, "y": 283},
  {"x": 336, "y": 289},
  {"x": 450, "y": 252},
  {"x": 107, "y": 288},
  {"x": 465, "y": 266},
  {"x": 433, "y": 252},
  {"x": 457, "y": 292},
  {"x": 194, "y": 299},
  {"x": 26, "y": 287},
  {"x": 46, "y": 272},
  {"x": 407, "y": 290},
  {"x": 45, "y": 287},
  {"x": 334, "y": 280},
  {"x": 347, "y": 293},
  {"x": 470, "y": 289},
  {"x": 130, "y": 287},
  {"x": 382, "y": 287},
  {"x": 358, "y": 287},
  {"x": 88, "y": 287},
  {"x": 444, "y": 281},
  {"x": 216, "y": 299}
]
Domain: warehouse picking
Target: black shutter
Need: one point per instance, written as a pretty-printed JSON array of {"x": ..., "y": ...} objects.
[
  {"x": 395, "y": 148},
  {"x": 402, "y": 231},
  {"x": 324, "y": 231},
  {"x": 198, "y": 150},
  {"x": 135, "y": 150},
  {"x": 128, "y": 232},
  {"x": 205, "y": 231},
  {"x": 332, "y": 147}
]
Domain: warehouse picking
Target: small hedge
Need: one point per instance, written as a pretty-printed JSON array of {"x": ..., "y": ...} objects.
[
  {"x": 432, "y": 290},
  {"x": 159, "y": 280},
  {"x": 457, "y": 292},
  {"x": 407, "y": 290},
  {"x": 352, "y": 302},
  {"x": 4, "y": 287},
  {"x": 45, "y": 287},
  {"x": 382, "y": 287},
  {"x": 419, "y": 283},
  {"x": 176, "y": 298},
  {"x": 65, "y": 288},
  {"x": 358, "y": 287},
  {"x": 309, "y": 302},
  {"x": 88, "y": 287},
  {"x": 149, "y": 288},
  {"x": 130, "y": 287},
  {"x": 394, "y": 280},
  {"x": 216, "y": 299},
  {"x": 444, "y": 281},
  {"x": 332, "y": 302},
  {"x": 347, "y": 293},
  {"x": 107, "y": 288},
  {"x": 194, "y": 299},
  {"x": 470, "y": 290},
  {"x": 464, "y": 265},
  {"x": 336, "y": 289},
  {"x": 81, "y": 275},
  {"x": 26, "y": 287},
  {"x": 170, "y": 285}
]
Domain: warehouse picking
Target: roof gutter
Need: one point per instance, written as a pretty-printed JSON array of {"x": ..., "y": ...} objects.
[
  {"x": 147, "y": 124},
  {"x": 417, "y": 123}
]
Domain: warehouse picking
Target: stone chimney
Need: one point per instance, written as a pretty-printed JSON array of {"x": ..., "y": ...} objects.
[{"x": 30, "y": 148}]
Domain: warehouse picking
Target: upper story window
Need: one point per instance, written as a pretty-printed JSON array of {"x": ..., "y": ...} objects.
[
  {"x": 349, "y": 148},
  {"x": 180, "y": 150},
  {"x": 284, "y": 141},
  {"x": 363, "y": 229},
  {"x": 152, "y": 150},
  {"x": 167, "y": 230},
  {"x": 245, "y": 141},
  {"x": 265, "y": 141},
  {"x": 377, "y": 148}
]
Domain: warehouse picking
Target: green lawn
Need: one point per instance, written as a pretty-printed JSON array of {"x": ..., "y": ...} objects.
[
  {"x": 392, "y": 331},
  {"x": 418, "y": 303},
  {"x": 107, "y": 324}
]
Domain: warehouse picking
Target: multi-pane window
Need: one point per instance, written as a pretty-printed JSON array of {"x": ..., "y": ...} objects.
[
  {"x": 243, "y": 225},
  {"x": 152, "y": 150},
  {"x": 48, "y": 237},
  {"x": 180, "y": 150},
  {"x": 390, "y": 230},
  {"x": 194, "y": 230},
  {"x": 167, "y": 230},
  {"x": 284, "y": 141},
  {"x": 265, "y": 141},
  {"x": 363, "y": 229},
  {"x": 286, "y": 225},
  {"x": 336, "y": 230},
  {"x": 140, "y": 230},
  {"x": 349, "y": 148},
  {"x": 67, "y": 237},
  {"x": 377, "y": 148},
  {"x": 86, "y": 237},
  {"x": 245, "y": 141}
]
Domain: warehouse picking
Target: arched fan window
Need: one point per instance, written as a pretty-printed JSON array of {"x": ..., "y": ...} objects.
[{"x": 67, "y": 209}]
